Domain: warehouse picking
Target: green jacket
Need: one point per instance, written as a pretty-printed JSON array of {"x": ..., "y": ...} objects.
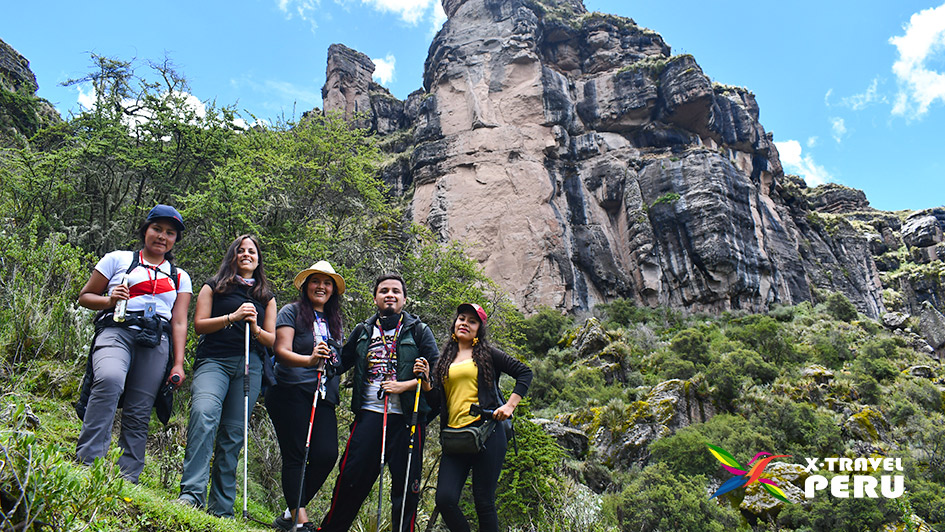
[{"x": 416, "y": 340}]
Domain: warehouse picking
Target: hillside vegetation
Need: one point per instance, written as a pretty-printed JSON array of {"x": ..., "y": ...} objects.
[{"x": 613, "y": 435}]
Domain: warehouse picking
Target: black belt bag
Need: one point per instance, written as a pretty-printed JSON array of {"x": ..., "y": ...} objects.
[
  {"x": 149, "y": 331},
  {"x": 466, "y": 440}
]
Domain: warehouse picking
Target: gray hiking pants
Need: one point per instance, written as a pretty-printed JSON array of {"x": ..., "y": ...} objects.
[{"x": 114, "y": 373}]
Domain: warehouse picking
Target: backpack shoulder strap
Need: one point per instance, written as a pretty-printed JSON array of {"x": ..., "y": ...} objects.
[{"x": 135, "y": 261}]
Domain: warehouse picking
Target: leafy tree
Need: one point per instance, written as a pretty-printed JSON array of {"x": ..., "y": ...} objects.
[
  {"x": 543, "y": 330},
  {"x": 692, "y": 345},
  {"x": 763, "y": 334},
  {"x": 659, "y": 499},
  {"x": 840, "y": 307}
]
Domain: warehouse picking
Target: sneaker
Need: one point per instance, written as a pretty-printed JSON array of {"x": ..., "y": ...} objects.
[
  {"x": 186, "y": 502},
  {"x": 308, "y": 527},
  {"x": 283, "y": 523}
]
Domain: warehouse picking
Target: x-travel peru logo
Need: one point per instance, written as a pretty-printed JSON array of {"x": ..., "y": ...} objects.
[{"x": 839, "y": 477}]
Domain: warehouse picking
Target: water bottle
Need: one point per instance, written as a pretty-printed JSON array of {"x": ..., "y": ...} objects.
[{"x": 121, "y": 308}]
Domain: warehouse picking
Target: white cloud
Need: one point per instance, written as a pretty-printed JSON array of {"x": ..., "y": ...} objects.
[
  {"x": 794, "y": 161},
  {"x": 839, "y": 128},
  {"x": 919, "y": 86},
  {"x": 812, "y": 141},
  {"x": 410, "y": 11},
  {"x": 384, "y": 69},
  {"x": 860, "y": 101},
  {"x": 300, "y": 8},
  {"x": 86, "y": 99},
  {"x": 438, "y": 18},
  {"x": 827, "y": 97}
]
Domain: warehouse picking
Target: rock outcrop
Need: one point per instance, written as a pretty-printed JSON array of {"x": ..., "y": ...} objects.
[
  {"x": 580, "y": 161},
  {"x": 22, "y": 113}
]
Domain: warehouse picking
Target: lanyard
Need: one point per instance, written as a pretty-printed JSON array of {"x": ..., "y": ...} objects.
[
  {"x": 390, "y": 351},
  {"x": 148, "y": 268}
]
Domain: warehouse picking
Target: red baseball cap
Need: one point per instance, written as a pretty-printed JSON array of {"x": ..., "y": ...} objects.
[{"x": 475, "y": 308}]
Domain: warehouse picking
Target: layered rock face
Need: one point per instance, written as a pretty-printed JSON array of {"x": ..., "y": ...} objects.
[
  {"x": 22, "y": 114},
  {"x": 581, "y": 161}
]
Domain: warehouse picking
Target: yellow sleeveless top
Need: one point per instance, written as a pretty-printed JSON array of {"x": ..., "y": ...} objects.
[{"x": 462, "y": 390}]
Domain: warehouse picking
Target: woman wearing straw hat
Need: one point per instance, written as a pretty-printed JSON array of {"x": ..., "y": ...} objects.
[
  {"x": 237, "y": 297},
  {"x": 305, "y": 360}
]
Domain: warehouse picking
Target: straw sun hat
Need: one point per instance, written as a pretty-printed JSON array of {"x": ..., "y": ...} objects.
[{"x": 321, "y": 266}]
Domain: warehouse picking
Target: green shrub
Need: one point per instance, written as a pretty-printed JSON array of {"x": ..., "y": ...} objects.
[
  {"x": 40, "y": 486},
  {"x": 684, "y": 453},
  {"x": 879, "y": 369},
  {"x": 528, "y": 485},
  {"x": 763, "y": 334},
  {"x": 658, "y": 499},
  {"x": 40, "y": 278},
  {"x": 691, "y": 345},
  {"x": 543, "y": 330},
  {"x": 840, "y": 307},
  {"x": 799, "y": 429}
]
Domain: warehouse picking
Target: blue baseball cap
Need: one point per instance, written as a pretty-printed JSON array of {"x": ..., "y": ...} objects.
[{"x": 166, "y": 211}]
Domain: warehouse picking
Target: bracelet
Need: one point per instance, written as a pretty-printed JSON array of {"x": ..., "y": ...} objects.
[
  {"x": 256, "y": 334},
  {"x": 228, "y": 322}
]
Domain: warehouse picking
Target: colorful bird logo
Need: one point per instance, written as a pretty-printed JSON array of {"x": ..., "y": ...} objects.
[{"x": 745, "y": 478}]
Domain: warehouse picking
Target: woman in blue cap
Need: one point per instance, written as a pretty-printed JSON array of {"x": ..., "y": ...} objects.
[{"x": 132, "y": 351}]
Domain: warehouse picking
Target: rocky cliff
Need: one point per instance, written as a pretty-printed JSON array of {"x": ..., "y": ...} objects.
[
  {"x": 22, "y": 114},
  {"x": 580, "y": 161}
]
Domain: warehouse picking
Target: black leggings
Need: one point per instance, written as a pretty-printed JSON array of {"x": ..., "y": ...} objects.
[
  {"x": 361, "y": 465},
  {"x": 289, "y": 408},
  {"x": 486, "y": 466}
]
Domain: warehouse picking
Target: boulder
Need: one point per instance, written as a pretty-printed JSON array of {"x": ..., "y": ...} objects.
[
  {"x": 575, "y": 442},
  {"x": 818, "y": 373},
  {"x": 922, "y": 230},
  {"x": 895, "y": 320},
  {"x": 869, "y": 426},
  {"x": 789, "y": 477},
  {"x": 932, "y": 325}
]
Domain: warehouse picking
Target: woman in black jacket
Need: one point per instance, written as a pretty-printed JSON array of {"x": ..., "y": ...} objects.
[{"x": 467, "y": 373}]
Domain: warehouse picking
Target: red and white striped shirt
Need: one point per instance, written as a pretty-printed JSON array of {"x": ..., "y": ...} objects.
[{"x": 145, "y": 285}]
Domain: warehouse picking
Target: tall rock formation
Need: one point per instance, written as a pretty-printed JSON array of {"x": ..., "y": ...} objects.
[
  {"x": 22, "y": 114},
  {"x": 580, "y": 161}
]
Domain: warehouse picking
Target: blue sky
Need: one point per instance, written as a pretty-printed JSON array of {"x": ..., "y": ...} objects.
[{"x": 854, "y": 92}]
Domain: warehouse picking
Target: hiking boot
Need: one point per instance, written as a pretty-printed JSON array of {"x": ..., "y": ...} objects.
[
  {"x": 283, "y": 523},
  {"x": 187, "y": 502}
]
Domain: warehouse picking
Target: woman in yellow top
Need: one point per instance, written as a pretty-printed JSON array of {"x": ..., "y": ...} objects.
[{"x": 467, "y": 373}]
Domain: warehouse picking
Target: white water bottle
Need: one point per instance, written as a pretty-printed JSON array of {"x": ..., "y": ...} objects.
[{"x": 121, "y": 308}]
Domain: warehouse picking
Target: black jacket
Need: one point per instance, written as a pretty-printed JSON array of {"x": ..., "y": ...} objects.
[
  {"x": 416, "y": 340},
  {"x": 489, "y": 394}
]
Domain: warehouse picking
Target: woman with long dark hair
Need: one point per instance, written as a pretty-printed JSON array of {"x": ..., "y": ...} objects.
[
  {"x": 467, "y": 373},
  {"x": 236, "y": 298},
  {"x": 305, "y": 362},
  {"x": 133, "y": 347}
]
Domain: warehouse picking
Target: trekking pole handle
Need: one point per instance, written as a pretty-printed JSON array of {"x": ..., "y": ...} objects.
[{"x": 476, "y": 410}]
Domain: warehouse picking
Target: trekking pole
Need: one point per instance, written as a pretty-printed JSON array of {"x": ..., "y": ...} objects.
[
  {"x": 380, "y": 485},
  {"x": 308, "y": 441},
  {"x": 413, "y": 432},
  {"x": 246, "y": 424}
]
